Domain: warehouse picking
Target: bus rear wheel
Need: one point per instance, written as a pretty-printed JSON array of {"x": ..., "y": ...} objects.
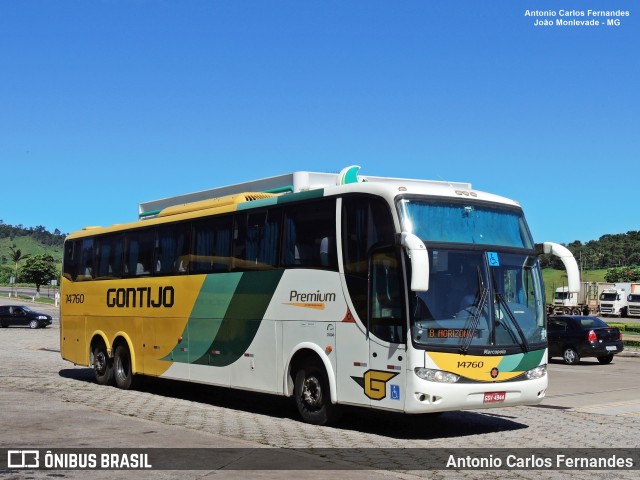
[
  {"x": 102, "y": 365},
  {"x": 122, "y": 368},
  {"x": 312, "y": 394}
]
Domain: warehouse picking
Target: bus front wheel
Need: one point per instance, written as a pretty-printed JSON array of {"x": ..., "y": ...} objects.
[
  {"x": 312, "y": 394},
  {"x": 122, "y": 368}
]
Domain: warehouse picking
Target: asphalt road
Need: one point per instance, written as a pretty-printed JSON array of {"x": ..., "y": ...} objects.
[{"x": 48, "y": 403}]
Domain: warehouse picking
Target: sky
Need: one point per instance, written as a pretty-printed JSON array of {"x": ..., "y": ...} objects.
[{"x": 108, "y": 103}]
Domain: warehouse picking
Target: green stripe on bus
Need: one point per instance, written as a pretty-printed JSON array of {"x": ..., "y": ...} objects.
[
  {"x": 242, "y": 319},
  {"x": 296, "y": 197},
  {"x": 287, "y": 188},
  {"x": 529, "y": 360},
  {"x": 207, "y": 315},
  {"x": 149, "y": 214},
  {"x": 263, "y": 202}
]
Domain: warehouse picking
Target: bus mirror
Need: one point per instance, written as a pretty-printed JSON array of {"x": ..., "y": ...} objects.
[
  {"x": 569, "y": 261},
  {"x": 419, "y": 261}
]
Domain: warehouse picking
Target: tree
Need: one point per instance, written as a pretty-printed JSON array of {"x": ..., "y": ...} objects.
[
  {"x": 623, "y": 274},
  {"x": 16, "y": 256},
  {"x": 6, "y": 272},
  {"x": 39, "y": 269}
]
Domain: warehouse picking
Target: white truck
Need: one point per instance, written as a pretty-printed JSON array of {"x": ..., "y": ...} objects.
[
  {"x": 633, "y": 300},
  {"x": 568, "y": 303},
  {"x": 613, "y": 301}
]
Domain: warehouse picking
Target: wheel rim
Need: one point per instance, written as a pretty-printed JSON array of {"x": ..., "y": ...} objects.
[
  {"x": 570, "y": 356},
  {"x": 100, "y": 363},
  {"x": 33, "y": 324},
  {"x": 312, "y": 392}
]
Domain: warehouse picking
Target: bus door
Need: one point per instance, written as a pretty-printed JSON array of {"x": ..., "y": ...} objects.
[
  {"x": 371, "y": 347},
  {"x": 385, "y": 379}
]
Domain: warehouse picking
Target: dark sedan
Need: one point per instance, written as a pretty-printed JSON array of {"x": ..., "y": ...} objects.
[
  {"x": 575, "y": 336},
  {"x": 21, "y": 315}
]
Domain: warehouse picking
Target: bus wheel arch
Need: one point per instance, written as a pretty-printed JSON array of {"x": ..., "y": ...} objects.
[
  {"x": 311, "y": 380},
  {"x": 123, "y": 363}
]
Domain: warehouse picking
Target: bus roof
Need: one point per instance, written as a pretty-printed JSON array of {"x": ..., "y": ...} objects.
[
  {"x": 291, "y": 182},
  {"x": 305, "y": 184}
]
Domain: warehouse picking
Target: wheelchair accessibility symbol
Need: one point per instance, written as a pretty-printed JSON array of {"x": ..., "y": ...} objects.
[
  {"x": 395, "y": 392},
  {"x": 494, "y": 260}
]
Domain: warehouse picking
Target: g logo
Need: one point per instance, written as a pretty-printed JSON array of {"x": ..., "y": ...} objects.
[{"x": 375, "y": 383}]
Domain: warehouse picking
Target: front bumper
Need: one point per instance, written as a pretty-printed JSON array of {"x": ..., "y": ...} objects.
[{"x": 424, "y": 396}]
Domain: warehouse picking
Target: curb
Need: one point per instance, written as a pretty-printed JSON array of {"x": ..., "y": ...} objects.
[{"x": 631, "y": 348}]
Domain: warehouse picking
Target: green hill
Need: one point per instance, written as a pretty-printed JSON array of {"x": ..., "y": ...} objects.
[
  {"x": 27, "y": 245},
  {"x": 31, "y": 241}
]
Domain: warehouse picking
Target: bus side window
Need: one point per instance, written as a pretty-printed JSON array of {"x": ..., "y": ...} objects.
[
  {"x": 211, "y": 245},
  {"x": 109, "y": 256},
  {"x": 86, "y": 270},
  {"x": 171, "y": 249},
  {"x": 139, "y": 252},
  {"x": 71, "y": 254},
  {"x": 309, "y": 238},
  {"x": 256, "y": 240}
]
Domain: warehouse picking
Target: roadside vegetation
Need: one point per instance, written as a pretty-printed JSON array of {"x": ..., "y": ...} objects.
[{"x": 30, "y": 256}]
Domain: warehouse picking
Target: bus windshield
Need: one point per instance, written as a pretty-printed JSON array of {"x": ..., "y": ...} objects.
[
  {"x": 455, "y": 222},
  {"x": 480, "y": 300}
]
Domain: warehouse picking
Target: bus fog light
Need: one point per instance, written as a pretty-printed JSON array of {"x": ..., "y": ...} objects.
[
  {"x": 537, "y": 372},
  {"x": 436, "y": 375}
]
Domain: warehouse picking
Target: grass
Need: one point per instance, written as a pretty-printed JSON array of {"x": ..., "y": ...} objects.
[
  {"x": 28, "y": 298},
  {"x": 28, "y": 245}
]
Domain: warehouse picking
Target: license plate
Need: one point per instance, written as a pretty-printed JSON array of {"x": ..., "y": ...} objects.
[
  {"x": 612, "y": 349},
  {"x": 490, "y": 397}
]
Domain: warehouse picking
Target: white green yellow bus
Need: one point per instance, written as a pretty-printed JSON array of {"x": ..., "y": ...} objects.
[{"x": 406, "y": 295}]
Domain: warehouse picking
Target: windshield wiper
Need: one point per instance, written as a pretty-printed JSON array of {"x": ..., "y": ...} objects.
[
  {"x": 501, "y": 301},
  {"x": 475, "y": 319}
]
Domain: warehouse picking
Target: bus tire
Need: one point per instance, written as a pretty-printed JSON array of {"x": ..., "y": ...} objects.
[
  {"x": 312, "y": 394},
  {"x": 122, "y": 368},
  {"x": 102, "y": 365}
]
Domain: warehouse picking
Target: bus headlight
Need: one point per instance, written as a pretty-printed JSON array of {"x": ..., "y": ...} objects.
[
  {"x": 537, "y": 372},
  {"x": 436, "y": 375}
]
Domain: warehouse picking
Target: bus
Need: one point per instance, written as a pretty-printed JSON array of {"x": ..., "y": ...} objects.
[{"x": 405, "y": 295}]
